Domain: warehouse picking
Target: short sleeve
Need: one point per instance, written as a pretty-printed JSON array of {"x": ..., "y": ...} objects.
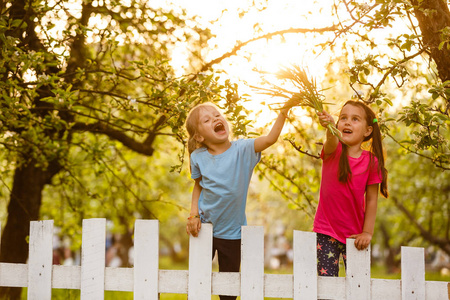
[
  {"x": 195, "y": 170},
  {"x": 248, "y": 147},
  {"x": 374, "y": 173}
]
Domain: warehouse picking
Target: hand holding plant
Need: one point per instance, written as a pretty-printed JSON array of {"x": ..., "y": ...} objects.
[{"x": 308, "y": 94}]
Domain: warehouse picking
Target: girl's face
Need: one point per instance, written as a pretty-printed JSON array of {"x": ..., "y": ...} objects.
[
  {"x": 212, "y": 127},
  {"x": 353, "y": 124}
]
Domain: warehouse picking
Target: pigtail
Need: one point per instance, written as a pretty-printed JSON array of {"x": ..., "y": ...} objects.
[
  {"x": 344, "y": 166},
  {"x": 376, "y": 150},
  {"x": 192, "y": 145}
]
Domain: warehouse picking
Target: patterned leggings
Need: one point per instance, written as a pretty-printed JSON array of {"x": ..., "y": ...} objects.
[{"x": 328, "y": 251}]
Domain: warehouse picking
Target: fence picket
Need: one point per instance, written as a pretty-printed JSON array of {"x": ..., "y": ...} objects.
[
  {"x": 413, "y": 273},
  {"x": 93, "y": 259},
  {"x": 252, "y": 262},
  {"x": 305, "y": 265},
  {"x": 146, "y": 259},
  {"x": 146, "y": 280},
  {"x": 40, "y": 260},
  {"x": 200, "y": 264},
  {"x": 357, "y": 278}
]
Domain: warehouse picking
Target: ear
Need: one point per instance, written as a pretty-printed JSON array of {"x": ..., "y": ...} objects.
[
  {"x": 199, "y": 138},
  {"x": 368, "y": 131}
]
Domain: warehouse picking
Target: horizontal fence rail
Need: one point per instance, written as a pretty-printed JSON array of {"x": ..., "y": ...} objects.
[{"x": 146, "y": 280}]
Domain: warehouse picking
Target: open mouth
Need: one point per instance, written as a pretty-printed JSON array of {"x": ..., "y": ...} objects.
[
  {"x": 347, "y": 131},
  {"x": 219, "y": 127}
]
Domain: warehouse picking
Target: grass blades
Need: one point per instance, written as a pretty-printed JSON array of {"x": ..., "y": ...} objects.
[{"x": 307, "y": 94}]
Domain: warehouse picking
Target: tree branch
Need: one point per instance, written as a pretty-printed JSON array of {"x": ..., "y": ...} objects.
[
  {"x": 265, "y": 36},
  {"x": 426, "y": 234},
  {"x": 145, "y": 148}
]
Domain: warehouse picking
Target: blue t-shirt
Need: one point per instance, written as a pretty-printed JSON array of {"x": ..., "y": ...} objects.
[{"x": 225, "y": 181}]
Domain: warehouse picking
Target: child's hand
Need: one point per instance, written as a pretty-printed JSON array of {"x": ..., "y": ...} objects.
[
  {"x": 193, "y": 226},
  {"x": 325, "y": 118},
  {"x": 362, "y": 240},
  {"x": 293, "y": 101}
]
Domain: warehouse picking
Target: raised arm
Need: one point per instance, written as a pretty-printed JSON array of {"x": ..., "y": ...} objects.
[
  {"x": 265, "y": 141},
  {"x": 331, "y": 141}
]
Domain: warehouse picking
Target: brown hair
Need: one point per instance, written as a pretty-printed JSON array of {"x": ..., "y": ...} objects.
[{"x": 376, "y": 148}]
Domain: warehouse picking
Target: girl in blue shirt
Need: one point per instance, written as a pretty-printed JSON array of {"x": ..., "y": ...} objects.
[{"x": 222, "y": 170}]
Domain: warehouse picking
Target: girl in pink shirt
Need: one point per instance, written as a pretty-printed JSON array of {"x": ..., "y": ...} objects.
[{"x": 351, "y": 179}]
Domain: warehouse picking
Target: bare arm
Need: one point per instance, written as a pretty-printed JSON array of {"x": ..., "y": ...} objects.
[
  {"x": 194, "y": 224},
  {"x": 265, "y": 141},
  {"x": 363, "y": 239},
  {"x": 331, "y": 141}
]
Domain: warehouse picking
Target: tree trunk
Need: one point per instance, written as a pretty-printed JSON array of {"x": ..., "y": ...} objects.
[
  {"x": 433, "y": 17},
  {"x": 24, "y": 205}
]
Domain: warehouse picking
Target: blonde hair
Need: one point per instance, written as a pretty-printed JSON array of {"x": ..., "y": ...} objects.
[{"x": 192, "y": 125}]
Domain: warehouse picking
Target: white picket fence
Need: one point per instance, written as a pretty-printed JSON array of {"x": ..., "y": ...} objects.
[{"x": 146, "y": 280}]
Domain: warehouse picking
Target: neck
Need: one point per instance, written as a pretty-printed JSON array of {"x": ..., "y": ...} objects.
[
  {"x": 219, "y": 148},
  {"x": 354, "y": 151}
]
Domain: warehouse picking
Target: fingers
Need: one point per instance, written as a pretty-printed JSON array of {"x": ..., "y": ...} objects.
[
  {"x": 193, "y": 227},
  {"x": 325, "y": 118},
  {"x": 361, "y": 242}
]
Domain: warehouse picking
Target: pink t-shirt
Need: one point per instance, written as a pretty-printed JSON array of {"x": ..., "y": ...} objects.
[{"x": 340, "y": 212}]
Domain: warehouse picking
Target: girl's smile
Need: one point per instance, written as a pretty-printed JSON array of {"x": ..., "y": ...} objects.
[
  {"x": 213, "y": 130},
  {"x": 353, "y": 125}
]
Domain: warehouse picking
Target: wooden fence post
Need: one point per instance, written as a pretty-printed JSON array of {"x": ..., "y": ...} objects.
[
  {"x": 252, "y": 263},
  {"x": 305, "y": 265},
  {"x": 146, "y": 259},
  {"x": 413, "y": 273},
  {"x": 40, "y": 260},
  {"x": 357, "y": 279},
  {"x": 93, "y": 259},
  {"x": 200, "y": 264}
]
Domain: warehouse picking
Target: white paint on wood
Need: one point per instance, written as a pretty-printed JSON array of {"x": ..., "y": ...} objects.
[
  {"x": 413, "y": 273},
  {"x": 278, "y": 285},
  {"x": 387, "y": 289},
  {"x": 358, "y": 272},
  {"x": 200, "y": 264},
  {"x": 330, "y": 287},
  {"x": 173, "y": 281},
  {"x": 252, "y": 263},
  {"x": 93, "y": 259},
  {"x": 305, "y": 265},
  {"x": 226, "y": 283},
  {"x": 437, "y": 290},
  {"x": 66, "y": 277},
  {"x": 146, "y": 259},
  {"x": 13, "y": 275},
  {"x": 119, "y": 279},
  {"x": 176, "y": 281},
  {"x": 40, "y": 260}
]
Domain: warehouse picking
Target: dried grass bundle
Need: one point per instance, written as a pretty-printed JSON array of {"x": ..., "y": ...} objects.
[{"x": 308, "y": 94}]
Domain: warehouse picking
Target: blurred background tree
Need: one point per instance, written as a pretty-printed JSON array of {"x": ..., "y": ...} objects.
[{"x": 92, "y": 112}]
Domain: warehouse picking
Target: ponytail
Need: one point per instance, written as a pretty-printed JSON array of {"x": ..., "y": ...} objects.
[
  {"x": 344, "y": 167},
  {"x": 191, "y": 127},
  {"x": 376, "y": 150}
]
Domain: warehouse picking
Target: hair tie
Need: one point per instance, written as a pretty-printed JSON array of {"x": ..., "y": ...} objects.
[{"x": 375, "y": 120}]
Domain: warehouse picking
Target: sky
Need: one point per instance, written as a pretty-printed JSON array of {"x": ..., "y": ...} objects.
[{"x": 223, "y": 18}]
